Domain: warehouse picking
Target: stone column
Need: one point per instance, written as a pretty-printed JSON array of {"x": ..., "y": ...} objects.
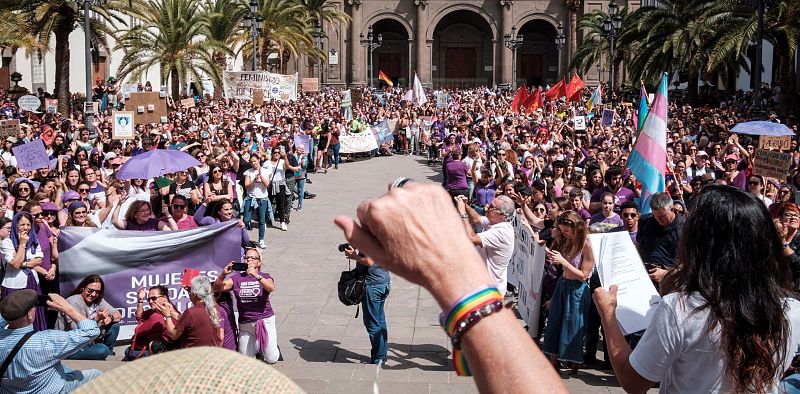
[
  {"x": 423, "y": 54},
  {"x": 357, "y": 71},
  {"x": 506, "y": 23}
]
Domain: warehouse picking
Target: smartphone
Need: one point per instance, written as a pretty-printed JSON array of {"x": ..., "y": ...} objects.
[
  {"x": 41, "y": 300},
  {"x": 240, "y": 267},
  {"x": 283, "y": 149}
]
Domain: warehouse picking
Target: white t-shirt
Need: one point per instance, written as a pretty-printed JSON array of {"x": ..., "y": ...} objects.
[
  {"x": 677, "y": 350},
  {"x": 279, "y": 173},
  {"x": 16, "y": 278},
  {"x": 258, "y": 189},
  {"x": 497, "y": 247}
]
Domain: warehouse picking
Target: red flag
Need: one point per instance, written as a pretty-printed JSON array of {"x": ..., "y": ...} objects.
[
  {"x": 519, "y": 98},
  {"x": 556, "y": 91},
  {"x": 574, "y": 90},
  {"x": 533, "y": 102}
]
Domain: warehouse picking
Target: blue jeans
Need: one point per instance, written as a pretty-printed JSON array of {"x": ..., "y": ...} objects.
[
  {"x": 101, "y": 350},
  {"x": 335, "y": 155},
  {"x": 262, "y": 208},
  {"x": 375, "y": 320},
  {"x": 301, "y": 189},
  {"x": 75, "y": 378},
  {"x": 791, "y": 384}
]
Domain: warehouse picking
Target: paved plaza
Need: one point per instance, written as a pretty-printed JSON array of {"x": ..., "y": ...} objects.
[{"x": 323, "y": 346}]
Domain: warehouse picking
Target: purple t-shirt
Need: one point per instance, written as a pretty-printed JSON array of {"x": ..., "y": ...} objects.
[
  {"x": 485, "y": 194},
  {"x": 252, "y": 301},
  {"x": 456, "y": 174},
  {"x": 620, "y": 197},
  {"x": 613, "y": 219}
]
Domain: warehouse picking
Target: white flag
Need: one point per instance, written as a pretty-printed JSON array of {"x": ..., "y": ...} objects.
[{"x": 419, "y": 92}]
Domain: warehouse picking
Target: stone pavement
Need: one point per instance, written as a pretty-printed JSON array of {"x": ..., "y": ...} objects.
[{"x": 324, "y": 347}]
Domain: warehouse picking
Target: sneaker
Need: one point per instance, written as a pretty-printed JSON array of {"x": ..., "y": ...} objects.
[
  {"x": 283, "y": 227},
  {"x": 261, "y": 244}
]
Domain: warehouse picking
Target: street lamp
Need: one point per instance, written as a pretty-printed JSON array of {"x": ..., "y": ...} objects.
[
  {"x": 318, "y": 37},
  {"x": 513, "y": 42},
  {"x": 611, "y": 25},
  {"x": 249, "y": 19},
  {"x": 88, "y": 106},
  {"x": 560, "y": 40},
  {"x": 371, "y": 44}
]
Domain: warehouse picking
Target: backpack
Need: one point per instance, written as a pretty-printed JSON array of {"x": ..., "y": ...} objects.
[{"x": 352, "y": 287}]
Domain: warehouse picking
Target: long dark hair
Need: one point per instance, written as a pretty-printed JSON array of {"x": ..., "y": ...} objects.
[
  {"x": 731, "y": 254},
  {"x": 86, "y": 282}
]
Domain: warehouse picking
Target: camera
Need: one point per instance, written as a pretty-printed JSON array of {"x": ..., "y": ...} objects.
[
  {"x": 41, "y": 300},
  {"x": 239, "y": 267},
  {"x": 344, "y": 246}
]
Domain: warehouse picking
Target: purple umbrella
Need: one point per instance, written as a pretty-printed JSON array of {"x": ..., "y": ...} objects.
[{"x": 155, "y": 163}]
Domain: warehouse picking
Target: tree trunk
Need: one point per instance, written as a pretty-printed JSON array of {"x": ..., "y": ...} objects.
[
  {"x": 176, "y": 84},
  {"x": 221, "y": 61},
  {"x": 788, "y": 95},
  {"x": 692, "y": 86},
  {"x": 62, "y": 31}
]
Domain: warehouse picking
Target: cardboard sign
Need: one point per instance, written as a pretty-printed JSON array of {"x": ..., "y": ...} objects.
[
  {"x": 775, "y": 143},
  {"x": 579, "y": 122},
  {"x": 441, "y": 100},
  {"x": 9, "y": 127},
  {"x": 258, "y": 97},
  {"x": 31, "y": 156},
  {"x": 29, "y": 103},
  {"x": 310, "y": 85},
  {"x": 188, "y": 102},
  {"x": 51, "y": 105},
  {"x": 123, "y": 125},
  {"x": 155, "y": 104},
  {"x": 358, "y": 96},
  {"x": 608, "y": 117},
  {"x": 771, "y": 164}
]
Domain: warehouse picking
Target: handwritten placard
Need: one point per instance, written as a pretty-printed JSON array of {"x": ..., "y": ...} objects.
[
  {"x": 775, "y": 143},
  {"x": 608, "y": 117},
  {"x": 187, "y": 103},
  {"x": 31, "y": 156},
  {"x": 310, "y": 84},
  {"x": 771, "y": 164},
  {"x": 9, "y": 127}
]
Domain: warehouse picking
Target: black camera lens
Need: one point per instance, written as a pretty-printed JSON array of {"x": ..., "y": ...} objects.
[{"x": 343, "y": 246}]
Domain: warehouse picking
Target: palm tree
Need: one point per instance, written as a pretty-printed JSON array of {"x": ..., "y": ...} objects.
[
  {"x": 57, "y": 19},
  {"x": 174, "y": 36},
  {"x": 674, "y": 38},
  {"x": 594, "y": 47},
  {"x": 223, "y": 19},
  {"x": 324, "y": 11},
  {"x": 15, "y": 32}
]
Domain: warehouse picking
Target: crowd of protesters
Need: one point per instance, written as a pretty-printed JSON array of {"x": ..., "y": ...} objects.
[{"x": 565, "y": 182}]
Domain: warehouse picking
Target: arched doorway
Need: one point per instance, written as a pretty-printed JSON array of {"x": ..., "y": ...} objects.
[
  {"x": 392, "y": 57},
  {"x": 537, "y": 60},
  {"x": 462, "y": 51}
]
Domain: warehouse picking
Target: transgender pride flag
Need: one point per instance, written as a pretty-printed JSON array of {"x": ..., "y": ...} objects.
[{"x": 648, "y": 161}]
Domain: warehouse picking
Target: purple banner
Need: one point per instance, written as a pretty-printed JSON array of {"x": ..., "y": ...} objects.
[{"x": 128, "y": 260}]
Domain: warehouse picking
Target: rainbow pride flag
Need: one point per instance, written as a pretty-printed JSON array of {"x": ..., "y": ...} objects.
[{"x": 648, "y": 161}]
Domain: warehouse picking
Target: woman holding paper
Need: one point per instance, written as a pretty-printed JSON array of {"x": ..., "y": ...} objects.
[
  {"x": 729, "y": 324},
  {"x": 565, "y": 333}
]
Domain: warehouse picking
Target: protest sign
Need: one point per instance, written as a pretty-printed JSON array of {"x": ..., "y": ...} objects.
[
  {"x": 123, "y": 125},
  {"x": 149, "y": 107},
  {"x": 128, "y": 260},
  {"x": 783, "y": 142},
  {"x": 383, "y": 133},
  {"x": 258, "y": 97},
  {"x": 128, "y": 88},
  {"x": 31, "y": 156},
  {"x": 358, "y": 96},
  {"x": 347, "y": 104},
  {"x": 188, "y": 102},
  {"x": 9, "y": 127},
  {"x": 51, "y": 105},
  {"x": 357, "y": 142},
  {"x": 579, "y": 122},
  {"x": 608, "y": 117},
  {"x": 618, "y": 263},
  {"x": 525, "y": 272},
  {"x": 771, "y": 164},
  {"x": 29, "y": 103},
  {"x": 310, "y": 85},
  {"x": 241, "y": 85},
  {"x": 442, "y": 99},
  {"x": 303, "y": 140}
]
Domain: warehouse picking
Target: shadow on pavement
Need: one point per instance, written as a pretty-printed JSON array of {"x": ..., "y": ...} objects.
[{"x": 433, "y": 358}]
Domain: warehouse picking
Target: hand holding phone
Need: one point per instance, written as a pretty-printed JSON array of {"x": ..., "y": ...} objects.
[{"x": 239, "y": 267}]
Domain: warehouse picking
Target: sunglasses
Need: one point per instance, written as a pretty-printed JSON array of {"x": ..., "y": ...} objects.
[
  {"x": 216, "y": 172},
  {"x": 92, "y": 291},
  {"x": 629, "y": 215},
  {"x": 754, "y": 183},
  {"x": 539, "y": 209},
  {"x": 20, "y": 207},
  {"x": 83, "y": 190},
  {"x": 153, "y": 299},
  {"x": 24, "y": 189},
  {"x": 176, "y": 206}
]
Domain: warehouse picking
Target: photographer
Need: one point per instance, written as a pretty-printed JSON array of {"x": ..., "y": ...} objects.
[{"x": 378, "y": 284}]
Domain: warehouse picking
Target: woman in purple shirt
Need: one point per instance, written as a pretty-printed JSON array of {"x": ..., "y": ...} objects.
[
  {"x": 258, "y": 335},
  {"x": 455, "y": 174}
]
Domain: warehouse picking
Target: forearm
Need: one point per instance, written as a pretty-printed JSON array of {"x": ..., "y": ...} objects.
[{"x": 618, "y": 349}]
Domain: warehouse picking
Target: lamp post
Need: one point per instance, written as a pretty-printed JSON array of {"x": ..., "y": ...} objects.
[
  {"x": 611, "y": 25},
  {"x": 318, "y": 37},
  {"x": 560, "y": 40},
  {"x": 255, "y": 23},
  {"x": 88, "y": 106},
  {"x": 370, "y": 43},
  {"x": 513, "y": 41},
  {"x": 761, "y": 8}
]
